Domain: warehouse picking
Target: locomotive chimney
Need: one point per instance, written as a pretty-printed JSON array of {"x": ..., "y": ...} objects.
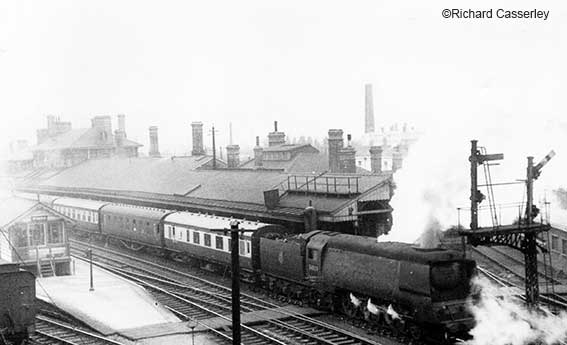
[
  {"x": 197, "y": 131},
  {"x": 154, "y": 147}
]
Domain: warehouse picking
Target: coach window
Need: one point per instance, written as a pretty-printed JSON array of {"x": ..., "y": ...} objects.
[
  {"x": 37, "y": 234},
  {"x": 55, "y": 233},
  {"x": 554, "y": 243},
  {"x": 219, "y": 242},
  {"x": 247, "y": 247},
  {"x": 196, "y": 237},
  {"x": 241, "y": 247},
  {"x": 207, "y": 240},
  {"x": 229, "y": 247},
  {"x": 563, "y": 246}
]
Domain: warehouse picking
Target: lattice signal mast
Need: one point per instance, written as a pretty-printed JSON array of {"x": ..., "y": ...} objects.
[{"x": 521, "y": 236}]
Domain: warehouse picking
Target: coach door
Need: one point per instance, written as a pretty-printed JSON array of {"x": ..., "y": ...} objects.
[{"x": 314, "y": 255}]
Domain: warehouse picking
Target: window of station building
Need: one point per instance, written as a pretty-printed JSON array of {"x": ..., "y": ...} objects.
[
  {"x": 554, "y": 243},
  {"x": 241, "y": 247},
  {"x": 564, "y": 246},
  {"x": 37, "y": 234},
  {"x": 196, "y": 237},
  {"x": 55, "y": 233},
  {"x": 207, "y": 240},
  {"x": 219, "y": 242},
  {"x": 89, "y": 217}
]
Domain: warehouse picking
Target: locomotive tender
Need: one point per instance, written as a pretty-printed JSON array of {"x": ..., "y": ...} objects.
[{"x": 420, "y": 287}]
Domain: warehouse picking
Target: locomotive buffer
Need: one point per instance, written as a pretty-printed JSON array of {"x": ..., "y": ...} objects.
[{"x": 521, "y": 236}]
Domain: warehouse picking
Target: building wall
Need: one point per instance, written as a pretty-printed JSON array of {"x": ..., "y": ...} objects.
[{"x": 558, "y": 247}]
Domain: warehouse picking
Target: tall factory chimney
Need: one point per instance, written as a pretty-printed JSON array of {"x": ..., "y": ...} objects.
[
  {"x": 154, "y": 147},
  {"x": 230, "y": 133},
  {"x": 233, "y": 156},
  {"x": 335, "y": 145},
  {"x": 197, "y": 130},
  {"x": 258, "y": 153},
  {"x": 276, "y": 138},
  {"x": 369, "y": 110}
]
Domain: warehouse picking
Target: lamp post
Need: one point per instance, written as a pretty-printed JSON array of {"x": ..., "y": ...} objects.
[
  {"x": 90, "y": 254},
  {"x": 192, "y": 324}
]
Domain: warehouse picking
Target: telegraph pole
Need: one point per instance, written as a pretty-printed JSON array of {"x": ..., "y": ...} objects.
[
  {"x": 213, "y": 131},
  {"x": 234, "y": 251}
]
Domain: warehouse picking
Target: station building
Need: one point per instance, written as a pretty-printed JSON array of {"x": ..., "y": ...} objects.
[{"x": 34, "y": 236}]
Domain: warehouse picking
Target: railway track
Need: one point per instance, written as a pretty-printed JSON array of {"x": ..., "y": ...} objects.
[
  {"x": 50, "y": 331},
  {"x": 194, "y": 298}
]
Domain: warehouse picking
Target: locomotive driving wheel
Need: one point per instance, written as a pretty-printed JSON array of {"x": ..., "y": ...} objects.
[{"x": 348, "y": 308}]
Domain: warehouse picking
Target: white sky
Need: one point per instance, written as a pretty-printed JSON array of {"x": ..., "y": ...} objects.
[{"x": 303, "y": 63}]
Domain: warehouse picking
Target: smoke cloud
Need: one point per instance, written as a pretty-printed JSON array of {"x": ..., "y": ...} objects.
[
  {"x": 435, "y": 179},
  {"x": 503, "y": 320}
]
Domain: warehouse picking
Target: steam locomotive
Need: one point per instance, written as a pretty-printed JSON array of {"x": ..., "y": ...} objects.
[
  {"x": 393, "y": 284},
  {"x": 17, "y": 304}
]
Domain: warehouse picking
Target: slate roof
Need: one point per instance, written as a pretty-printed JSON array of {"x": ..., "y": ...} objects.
[
  {"x": 12, "y": 207},
  {"x": 286, "y": 147},
  {"x": 180, "y": 182},
  {"x": 303, "y": 162}
]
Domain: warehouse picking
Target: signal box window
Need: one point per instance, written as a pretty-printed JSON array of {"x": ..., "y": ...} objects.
[
  {"x": 196, "y": 237},
  {"x": 554, "y": 243},
  {"x": 37, "y": 233},
  {"x": 207, "y": 240},
  {"x": 219, "y": 242},
  {"x": 19, "y": 232},
  {"x": 55, "y": 233}
]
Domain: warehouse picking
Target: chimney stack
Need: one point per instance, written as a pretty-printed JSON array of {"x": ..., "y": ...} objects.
[
  {"x": 258, "y": 153},
  {"x": 369, "y": 110},
  {"x": 103, "y": 124},
  {"x": 197, "y": 130},
  {"x": 397, "y": 158},
  {"x": 233, "y": 156},
  {"x": 154, "y": 147},
  {"x": 121, "y": 123},
  {"x": 335, "y": 145},
  {"x": 276, "y": 138},
  {"x": 376, "y": 159},
  {"x": 120, "y": 133},
  {"x": 347, "y": 158}
]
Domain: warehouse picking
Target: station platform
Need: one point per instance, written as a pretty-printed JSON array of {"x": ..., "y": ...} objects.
[{"x": 114, "y": 305}]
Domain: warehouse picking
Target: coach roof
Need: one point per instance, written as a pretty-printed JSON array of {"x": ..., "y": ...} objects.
[
  {"x": 86, "y": 204},
  {"x": 211, "y": 221}
]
